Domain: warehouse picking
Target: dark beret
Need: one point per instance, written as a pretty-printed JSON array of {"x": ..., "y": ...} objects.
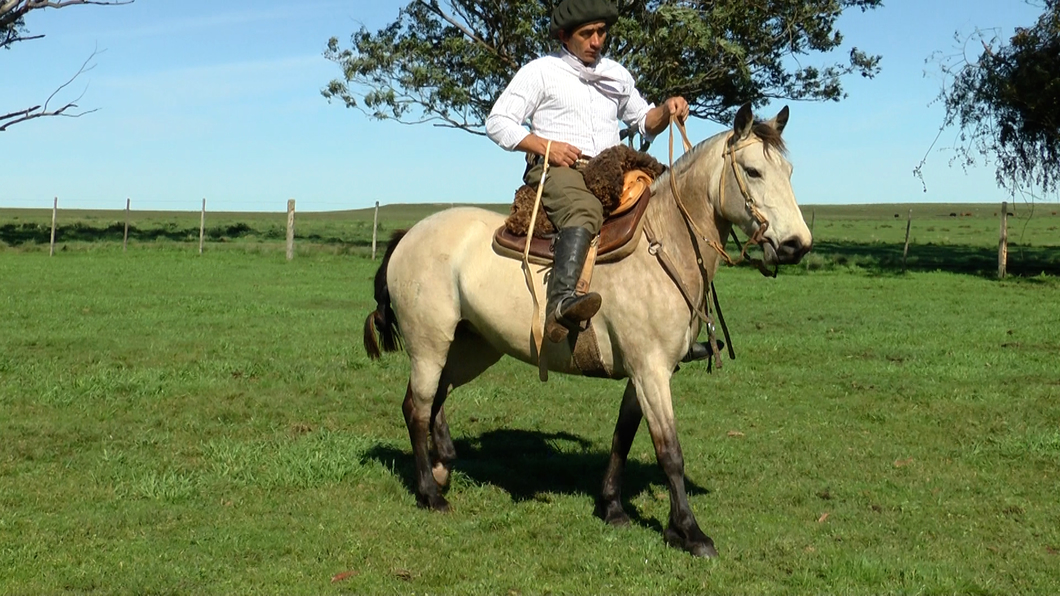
[{"x": 571, "y": 14}]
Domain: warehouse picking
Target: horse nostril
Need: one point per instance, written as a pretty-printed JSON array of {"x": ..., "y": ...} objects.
[{"x": 794, "y": 247}]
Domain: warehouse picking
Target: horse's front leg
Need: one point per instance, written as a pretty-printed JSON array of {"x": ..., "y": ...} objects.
[
  {"x": 609, "y": 504},
  {"x": 653, "y": 393}
]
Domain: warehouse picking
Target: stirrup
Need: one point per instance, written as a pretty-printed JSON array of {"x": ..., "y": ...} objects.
[
  {"x": 576, "y": 316},
  {"x": 701, "y": 350}
]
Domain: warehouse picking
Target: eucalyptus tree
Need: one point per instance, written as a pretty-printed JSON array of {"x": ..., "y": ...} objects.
[
  {"x": 446, "y": 61},
  {"x": 1006, "y": 103}
]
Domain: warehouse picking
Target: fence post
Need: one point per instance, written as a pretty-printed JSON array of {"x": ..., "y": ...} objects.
[
  {"x": 905, "y": 251},
  {"x": 290, "y": 229},
  {"x": 55, "y": 212},
  {"x": 125, "y": 238},
  {"x": 1002, "y": 244},
  {"x": 202, "y": 224},
  {"x": 375, "y": 228}
]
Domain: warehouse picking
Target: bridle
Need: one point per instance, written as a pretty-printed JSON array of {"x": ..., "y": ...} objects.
[
  {"x": 756, "y": 239},
  {"x": 709, "y": 292}
]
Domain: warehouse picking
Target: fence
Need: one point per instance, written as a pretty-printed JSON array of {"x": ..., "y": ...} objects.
[{"x": 906, "y": 245}]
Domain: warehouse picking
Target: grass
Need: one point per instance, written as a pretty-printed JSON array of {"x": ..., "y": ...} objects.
[
  {"x": 177, "y": 423},
  {"x": 961, "y": 238}
]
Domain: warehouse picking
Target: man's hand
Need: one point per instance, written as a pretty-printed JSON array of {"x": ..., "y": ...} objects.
[
  {"x": 561, "y": 154},
  {"x": 677, "y": 106},
  {"x": 658, "y": 118}
]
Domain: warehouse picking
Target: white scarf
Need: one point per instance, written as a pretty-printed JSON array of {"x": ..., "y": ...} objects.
[{"x": 607, "y": 85}]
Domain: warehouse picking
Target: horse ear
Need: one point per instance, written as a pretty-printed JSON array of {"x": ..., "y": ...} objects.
[
  {"x": 780, "y": 120},
  {"x": 744, "y": 121}
]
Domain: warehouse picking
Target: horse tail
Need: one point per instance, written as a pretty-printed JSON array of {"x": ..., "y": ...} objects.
[{"x": 382, "y": 319}]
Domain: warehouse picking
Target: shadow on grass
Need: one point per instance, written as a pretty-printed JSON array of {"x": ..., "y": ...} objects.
[
  {"x": 527, "y": 463},
  {"x": 31, "y": 233},
  {"x": 1024, "y": 261}
]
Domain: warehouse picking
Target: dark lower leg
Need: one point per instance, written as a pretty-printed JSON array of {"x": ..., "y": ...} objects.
[
  {"x": 683, "y": 531},
  {"x": 444, "y": 450},
  {"x": 609, "y": 505},
  {"x": 427, "y": 494}
]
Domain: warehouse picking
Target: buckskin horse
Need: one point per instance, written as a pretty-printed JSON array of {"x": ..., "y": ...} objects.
[{"x": 457, "y": 306}]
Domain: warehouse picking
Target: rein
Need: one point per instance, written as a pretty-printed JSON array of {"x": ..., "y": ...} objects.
[{"x": 655, "y": 248}]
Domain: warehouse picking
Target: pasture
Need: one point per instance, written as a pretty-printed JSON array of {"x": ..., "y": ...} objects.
[{"x": 177, "y": 423}]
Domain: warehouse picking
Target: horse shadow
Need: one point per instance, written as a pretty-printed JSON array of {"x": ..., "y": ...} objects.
[{"x": 526, "y": 464}]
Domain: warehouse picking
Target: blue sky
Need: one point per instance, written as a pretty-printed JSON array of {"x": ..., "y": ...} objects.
[{"x": 221, "y": 100}]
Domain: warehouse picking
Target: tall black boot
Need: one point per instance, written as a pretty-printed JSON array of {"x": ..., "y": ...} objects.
[{"x": 565, "y": 311}]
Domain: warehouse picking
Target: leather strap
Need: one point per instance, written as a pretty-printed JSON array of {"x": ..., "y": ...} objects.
[{"x": 537, "y": 329}]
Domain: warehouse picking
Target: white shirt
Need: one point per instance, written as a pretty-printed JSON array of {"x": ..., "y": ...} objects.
[{"x": 549, "y": 95}]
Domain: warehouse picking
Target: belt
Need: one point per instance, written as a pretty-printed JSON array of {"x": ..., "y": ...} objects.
[{"x": 536, "y": 160}]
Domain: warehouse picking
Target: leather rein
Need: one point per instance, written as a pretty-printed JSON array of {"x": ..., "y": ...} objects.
[{"x": 710, "y": 293}]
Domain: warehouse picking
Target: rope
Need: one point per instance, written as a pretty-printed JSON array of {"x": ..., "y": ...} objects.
[{"x": 536, "y": 327}]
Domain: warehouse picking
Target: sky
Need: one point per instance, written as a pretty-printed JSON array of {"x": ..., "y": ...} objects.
[{"x": 221, "y": 100}]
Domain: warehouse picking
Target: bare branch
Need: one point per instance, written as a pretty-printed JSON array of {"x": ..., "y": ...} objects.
[
  {"x": 12, "y": 13},
  {"x": 41, "y": 111}
]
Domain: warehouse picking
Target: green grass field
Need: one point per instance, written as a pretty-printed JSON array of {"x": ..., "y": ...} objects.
[{"x": 174, "y": 423}]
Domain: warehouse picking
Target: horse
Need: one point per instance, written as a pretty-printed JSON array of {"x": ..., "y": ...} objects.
[{"x": 456, "y": 306}]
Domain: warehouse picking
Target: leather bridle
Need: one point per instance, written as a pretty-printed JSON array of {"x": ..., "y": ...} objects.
[{"x": 756, "y": 239}]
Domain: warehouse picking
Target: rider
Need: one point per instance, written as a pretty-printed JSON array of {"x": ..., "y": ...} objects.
[{"x": 574, "y": 98}]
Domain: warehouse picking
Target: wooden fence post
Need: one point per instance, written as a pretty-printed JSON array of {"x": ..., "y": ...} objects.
[
  {"x": 375, "y": 228},
  {"x": 125, "y": 238},
  {"x": 290, "y": 229},
  {"x": 1002, "y": 244},
  {"x": 202, "y": 224},
  {"x": 905, "y": 251},
  {"x": 55, "y": 213}
]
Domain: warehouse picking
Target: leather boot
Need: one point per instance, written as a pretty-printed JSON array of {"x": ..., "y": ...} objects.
[
  {"x": 565, "y": 310},
  {"x": 701, "y": 350}
]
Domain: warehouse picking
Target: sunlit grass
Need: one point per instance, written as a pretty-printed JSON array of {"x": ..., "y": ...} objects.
[{"x": 183, "y": 424}]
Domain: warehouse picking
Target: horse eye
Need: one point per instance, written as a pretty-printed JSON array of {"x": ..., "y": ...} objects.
[{"x": 753, "y": 173}]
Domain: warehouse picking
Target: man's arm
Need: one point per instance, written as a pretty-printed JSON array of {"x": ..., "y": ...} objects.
[
  {"x": 659, "y": 117},
  {"x": 561, "y": 154}
]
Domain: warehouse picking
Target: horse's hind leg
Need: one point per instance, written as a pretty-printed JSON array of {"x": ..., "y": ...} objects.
[
  {"x": 609, "y": 504},
  {"x": 653, "y": 393},
  {"x": 423, "y": 388},
  {"x": 469, "y": 356}
]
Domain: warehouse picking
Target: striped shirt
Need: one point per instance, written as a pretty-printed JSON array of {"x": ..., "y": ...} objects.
[{"x": 549, "y": 95}]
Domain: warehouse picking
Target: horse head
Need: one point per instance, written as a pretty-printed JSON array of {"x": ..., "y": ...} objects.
[{"x": 755, "y": 188}]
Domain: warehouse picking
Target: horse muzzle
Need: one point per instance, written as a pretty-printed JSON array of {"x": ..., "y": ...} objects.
[{"x": 788, "y": 252}]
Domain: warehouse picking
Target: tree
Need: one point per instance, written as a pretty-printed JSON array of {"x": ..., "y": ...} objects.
[
  {"x": 13, "y": 30},
  {"x": 1006, "y": 103},
  {"x": 446, "y": 61}
]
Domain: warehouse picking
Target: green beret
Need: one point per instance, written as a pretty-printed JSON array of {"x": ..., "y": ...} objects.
[{"x": 571, "y": 14}]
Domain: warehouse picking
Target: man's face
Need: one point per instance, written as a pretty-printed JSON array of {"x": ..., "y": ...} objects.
[{"x": 586, "y": 42}]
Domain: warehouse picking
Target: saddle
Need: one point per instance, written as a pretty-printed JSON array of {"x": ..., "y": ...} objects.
[
  {"x": 620, "y": 177},
  {"x": 615, "y": 235}
]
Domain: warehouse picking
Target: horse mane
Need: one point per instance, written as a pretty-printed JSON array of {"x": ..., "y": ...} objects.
[{"x": 770, "y": 137}]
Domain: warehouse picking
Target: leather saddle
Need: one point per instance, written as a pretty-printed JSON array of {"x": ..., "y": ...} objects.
[{"x": 619, "y": 229}]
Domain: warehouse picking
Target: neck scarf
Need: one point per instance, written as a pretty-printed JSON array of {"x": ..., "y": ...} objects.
[{"x": 607, "y": 85}]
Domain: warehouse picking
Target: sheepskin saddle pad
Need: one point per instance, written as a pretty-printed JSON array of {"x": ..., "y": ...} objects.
[{"x": 620, "y": 177}]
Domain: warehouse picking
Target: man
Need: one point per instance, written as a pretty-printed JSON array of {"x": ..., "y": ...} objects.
[{"x": 574, "y": 98}]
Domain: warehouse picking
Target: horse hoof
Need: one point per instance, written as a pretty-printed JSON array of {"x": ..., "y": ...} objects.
[
  {"x": 435, "y": 503},
  {"x": 619, "y": 520},
  {"x": 697, "y": 548},
  {"x": 612, "y": 514}
]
